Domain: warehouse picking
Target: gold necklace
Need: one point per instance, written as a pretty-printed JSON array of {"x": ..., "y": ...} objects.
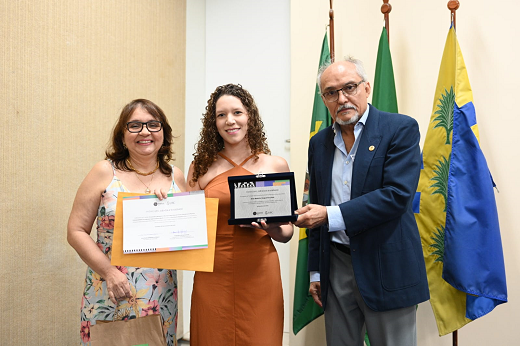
[
  {"x": 147, "y": 186},
  {"x": 138, "y": 172}
]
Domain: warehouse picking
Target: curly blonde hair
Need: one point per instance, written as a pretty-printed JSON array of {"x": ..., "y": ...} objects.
[{"x": 211, "y": 143}]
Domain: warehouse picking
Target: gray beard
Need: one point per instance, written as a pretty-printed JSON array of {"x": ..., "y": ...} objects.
[{"x": 351, "y": 121}]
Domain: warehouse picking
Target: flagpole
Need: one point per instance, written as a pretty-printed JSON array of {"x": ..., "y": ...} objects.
[
  {"x": 331, "y": 28},
  {"x": 386, "y": 8},
  {"x": 453, "y": 6}
]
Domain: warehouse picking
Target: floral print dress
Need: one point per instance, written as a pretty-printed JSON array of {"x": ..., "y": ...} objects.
[{"x": 154, "y": 291}]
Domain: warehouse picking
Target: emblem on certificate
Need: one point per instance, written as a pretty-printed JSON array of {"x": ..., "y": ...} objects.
[{"x": 269, "y": 197}]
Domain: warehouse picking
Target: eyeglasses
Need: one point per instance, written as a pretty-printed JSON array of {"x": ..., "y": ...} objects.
[
  {"x": 349, "y": 89},
  {"x": 137, "y": 126}
]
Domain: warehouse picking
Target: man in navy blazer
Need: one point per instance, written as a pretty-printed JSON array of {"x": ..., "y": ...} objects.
[{"x": 365, "y": 256}]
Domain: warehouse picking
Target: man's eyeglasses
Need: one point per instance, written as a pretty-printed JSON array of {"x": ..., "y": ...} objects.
[
  {"x": 349, "y": 89},
  {"x": 137, "y": 126}
]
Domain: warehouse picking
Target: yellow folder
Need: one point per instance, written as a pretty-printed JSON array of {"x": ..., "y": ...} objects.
[{"x": 198, "y": 260}]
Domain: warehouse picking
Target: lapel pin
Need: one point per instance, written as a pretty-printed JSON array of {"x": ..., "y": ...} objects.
[{"x": 371, "y": 148}]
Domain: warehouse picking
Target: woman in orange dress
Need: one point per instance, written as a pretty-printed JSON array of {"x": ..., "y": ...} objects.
[{"x": 241, "y": 301}]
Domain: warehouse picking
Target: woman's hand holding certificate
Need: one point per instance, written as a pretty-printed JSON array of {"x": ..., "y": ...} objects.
[{"x": 275, "y": 230}]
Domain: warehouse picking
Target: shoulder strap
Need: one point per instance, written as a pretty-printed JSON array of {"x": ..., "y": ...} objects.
[
  {"x": 113, "y": 166},
  {"x": 227, "y": 159},
  {"x": 234, "y": 164},
  {"x": 247, "y": 159}
]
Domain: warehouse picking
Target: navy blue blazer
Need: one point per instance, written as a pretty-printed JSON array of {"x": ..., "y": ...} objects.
[{"x": 384, "y": 239}]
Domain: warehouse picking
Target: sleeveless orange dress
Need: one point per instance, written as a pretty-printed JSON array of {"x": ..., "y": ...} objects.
[{"x": 241, "y": 302}]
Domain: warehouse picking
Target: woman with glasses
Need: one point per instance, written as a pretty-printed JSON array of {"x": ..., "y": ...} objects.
[
  {"x": 241, "y": 301},
  {"x": 137, "y": 160}
]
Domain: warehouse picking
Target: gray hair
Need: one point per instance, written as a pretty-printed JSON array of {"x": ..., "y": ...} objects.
[{"x": 360, "y": 69}]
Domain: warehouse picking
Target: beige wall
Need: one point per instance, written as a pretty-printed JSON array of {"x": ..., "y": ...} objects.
[
  {"x": 418, "y": 29},
  {"x": 67, "y": 69}
]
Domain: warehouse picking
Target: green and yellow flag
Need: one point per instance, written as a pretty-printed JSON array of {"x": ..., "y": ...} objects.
[
  {"x": 383, "y": 96},
  {"x": 305, "y": 310},
  {"x": 455, "y": 205}
]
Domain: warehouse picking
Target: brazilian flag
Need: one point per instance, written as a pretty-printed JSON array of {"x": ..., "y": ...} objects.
[{"x": 305, "y": 310}]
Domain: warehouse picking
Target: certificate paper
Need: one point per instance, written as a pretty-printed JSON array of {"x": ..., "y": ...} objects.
[
  {"x": 197, "y": 260},
  {"x": 265, "y": 196},
  {"x": 175, "y": 223}
]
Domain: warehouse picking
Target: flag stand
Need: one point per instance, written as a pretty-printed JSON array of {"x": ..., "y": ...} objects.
[
  {"x": 386, "y": 8},
  {"x": 453, "y": 6},
  {"x": 331, "y": 29}
]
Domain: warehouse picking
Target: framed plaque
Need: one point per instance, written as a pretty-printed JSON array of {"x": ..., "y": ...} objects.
[{"x": 269, "y": 197}]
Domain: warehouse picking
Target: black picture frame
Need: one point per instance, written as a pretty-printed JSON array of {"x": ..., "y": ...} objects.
[{"x": 235, "y": 181}]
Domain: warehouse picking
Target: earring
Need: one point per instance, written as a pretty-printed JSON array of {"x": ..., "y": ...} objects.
[{"x": 124, "y": 145}]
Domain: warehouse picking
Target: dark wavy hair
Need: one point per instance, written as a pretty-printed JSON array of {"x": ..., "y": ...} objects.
[
  {"x": 210, "y": 142},
  {"x": 118, "y": 153}
]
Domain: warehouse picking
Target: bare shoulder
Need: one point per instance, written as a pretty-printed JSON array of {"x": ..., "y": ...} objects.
[
  {"x": 102, "y": 170},
  {"x": 98, "y": 178},
  {"x": 178, "y": 177},
  {"x": 177, "y": 173},
  {"x": 273, "y": 164}
]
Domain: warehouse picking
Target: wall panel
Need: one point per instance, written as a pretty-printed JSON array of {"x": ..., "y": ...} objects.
[{"x": 67, "y": 69}]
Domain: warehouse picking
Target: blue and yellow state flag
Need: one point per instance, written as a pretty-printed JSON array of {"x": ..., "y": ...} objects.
[
  {"x": 455, "y": 205},
  {"x": 305, "y": 310}
]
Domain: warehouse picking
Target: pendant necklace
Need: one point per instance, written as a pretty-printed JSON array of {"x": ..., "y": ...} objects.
[{"x": 147, "y": 186}]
